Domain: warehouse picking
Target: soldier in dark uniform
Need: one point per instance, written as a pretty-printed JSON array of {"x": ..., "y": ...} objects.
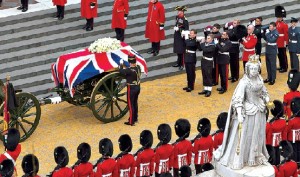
[
  {"x": 234, "y": 52},
  {"x": 190, "y": 60},
  {"x": 105, "y": 165},
  {"x": 207, "y": 61},
  {"x": 258, "y": 34},
  {"x": 294, "y": 43},
  {"x": 181, "y": 24},
  {"x": 223, "y": 59},
  {"x": 24, "y": 5},
  {"x": 7, "y": 168},
  {"x": 83, "y": 167},
  {"x": 133, "y": 75},
  {"x": 215, "y": 71},
  {"x": 30, "y": 165}
]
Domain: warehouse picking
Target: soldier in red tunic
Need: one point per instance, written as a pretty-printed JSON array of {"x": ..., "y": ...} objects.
[
  {"x": 164, "y": 151},
  {"x": 105, "y": 165},
  {"x": 185, "y": 171},
  {"x": 12, "y": 146},
  {"x": 155, "y": 25},
  {"x": 89, "y": 12},
  {"x": 30, "y": 166},
  {"x": 183, "y": 148},
  {"x": 125, "y": 161},
  {"x": 218, "y": 135},
  {"x": 283, "y": 38},
  {"x": 60, "y": 5},
  {"x": 293, "y": 129},
  {"x": 249, "y": 43},
  {"x": 6, "y": 168},
  {"x": 203, "y": 146},
  {"x": 119, "y": 18},
  {"x": 144, "y": 162},
  {"x": 269, "y": 138},
  {"x": 83, "y": 168},
  {"x": 287, "y": 167},
  {"x": 61, "y": 158},
  {"x": 277, "y": 131},
  {"x": 293, "y": 84}
]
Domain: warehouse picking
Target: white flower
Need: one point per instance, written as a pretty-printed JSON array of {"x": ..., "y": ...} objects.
[{"x": 104, "y": 45}]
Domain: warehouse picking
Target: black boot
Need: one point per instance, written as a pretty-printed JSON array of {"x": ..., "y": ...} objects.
[
  {"x": 208, "y": 93},
  {"x": 203, "y": 92}
]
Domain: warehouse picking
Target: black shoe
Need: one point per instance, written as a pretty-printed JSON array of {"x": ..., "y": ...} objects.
[
  {"x": 282, "y": 70},
  {"x": 184, "y": 88},
  {"x": 128, "y": 123},
  {"x": 233, "y": 80},
  {"x": 208, "y": 93},
  {"x": 180, "y": 68},
  {"x": 203, "y": 92},
  {"x": 222, "y": 91},
  {"x": 89, "y": 29},
  {"x": 150, "y": 51},
  {"x": 60, "y": 18},
  {"x": 24, "y": 10},
  {"x": 176, "y": 65},
  {"x": 20, "y": 8},
  {"x": 216, "y": 83},
  {"x": 219, "y": 89},
  {"x": 84, "y": 27},
  {"x": 189, "y": 90},
  {"x": 278, "y": 69},
  {"x": 230, "y": 78},
  {"x": 271, "y": 82},
  {"x": 155, "y": 53},
  {"x": 266, "y": 80}
]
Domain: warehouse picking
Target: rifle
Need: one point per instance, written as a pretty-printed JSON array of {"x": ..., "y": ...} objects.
[
  {"x": 98, "y": 161},
  {"x": 141, "y": 149},
  {"x": 158, "y": 145},
  {"x": 122, "y": 153},
  {"x": 56, "y": 168},
  {"x": 79, "y": 161},
  {"x": 218, "y": 131},
  {"x": 180, "y": 138}
]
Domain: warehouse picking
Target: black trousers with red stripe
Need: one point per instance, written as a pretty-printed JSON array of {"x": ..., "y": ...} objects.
[
  {"x": 133, "y": 92},
  {"x": 283, "y": 62},
  {"x": 223, "y": 70}
]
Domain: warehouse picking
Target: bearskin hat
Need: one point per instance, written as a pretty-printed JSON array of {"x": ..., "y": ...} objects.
[
  {"x": 182, "y": 128},
  {"x": 11, "y": 139},
  {"x": 61, "y": 156},
  {"x": 185, "y": 171},
  {"x": 84, "y": 152},
  {"x": 280, "y": 11},
  {"x": 106, "y": 147},
  {"x": 241, "y": 31},
  {"x": 164, "y": 133},
  {"x": 146, "y": 138},
  {"x": 204, "y": 127},
  {"x": 286, "y": 149},
  {"x": 295, "y": 106},
  {"x": 293, "y": 79},
  {"x": 125, "y": 143},
  {"x": 30, "y": 165},
  {"x": 207, "y": 167},
  {"x": 6, "y": 168},
  {"x": 221, "y": 120},
  {"x": 277, "y": 111},
  {"x": 167, "y": 174}
]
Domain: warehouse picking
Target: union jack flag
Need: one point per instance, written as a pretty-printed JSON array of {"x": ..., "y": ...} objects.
[{"x": 74, "y": 68}]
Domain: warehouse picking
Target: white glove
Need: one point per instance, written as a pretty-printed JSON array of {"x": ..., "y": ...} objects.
[
  {"x": 55, "y": 100},
  {"x": 208, "y": 29},
  {"x": 230, "y": 27},
  {"x": 216, "y": 41},
  {"x": 244, "y": 39},
  {"x": 176, "y": 28},
  {"x": 185, "y": 34},
  {"x": 161, "y": 28},
  {"x": 199, "y": 38},
  {"x": 125, "y": 18},
  {"x": 261, "y": 31},
  {"x": 267, "y": 30},
  {"x": 226, "y": 25}
]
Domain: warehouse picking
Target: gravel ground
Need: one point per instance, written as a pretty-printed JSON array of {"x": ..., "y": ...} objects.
[{"x": 160, "y": 101}]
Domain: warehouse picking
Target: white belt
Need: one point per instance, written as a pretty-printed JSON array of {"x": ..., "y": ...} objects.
[
  {"x": 182, "y": 160},
  {"x": 190, "y": 51},
  {"x": 144, "y": 169},
  {"x": 272, "y": 43},
  {"x": 248, "y": 50},
  {"x": 296, "y": 135},
  {"x": 163, "y": 166},
  {"x": 292, "y": 41},
  {"x": 235, "y": 42},
  {"x": 107, "y": 175},
  {"x": 124, "y": 172},
  {"x": 276, "y": 139},
  {"x": 224, "y": 53},
  {"x": 205, "y": 155},
  {"x": 281, "y": 35},
  {"x": 210, "y": 59},
  {"x": 10, "y": 158}
]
